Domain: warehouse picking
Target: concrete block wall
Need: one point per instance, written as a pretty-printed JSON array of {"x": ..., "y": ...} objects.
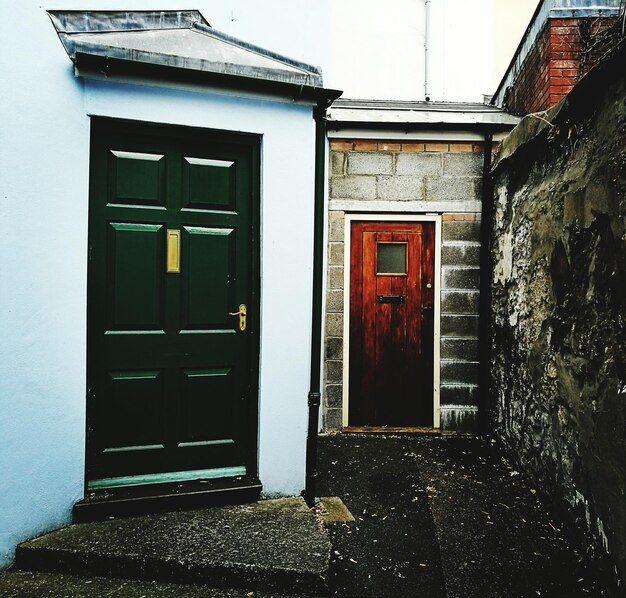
[
  {"x": 460, "y": 279},
  {"x": 370, "y": 176},
  {"x": 333, "y": 355}
]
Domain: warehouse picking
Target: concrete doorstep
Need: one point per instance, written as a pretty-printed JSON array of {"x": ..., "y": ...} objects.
[
  {"x": 29, "y": 584},
  {"x": 268, "y": 546}
]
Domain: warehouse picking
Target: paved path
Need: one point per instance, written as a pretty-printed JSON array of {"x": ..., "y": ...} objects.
[
  {"x": 442, "y": 517},
  {"x": 436, "y": 517}
]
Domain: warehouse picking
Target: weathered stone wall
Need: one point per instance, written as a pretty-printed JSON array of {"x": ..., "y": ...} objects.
[
  {"x": 559, "y": 319},
  {"x": 369, "y": 176}
]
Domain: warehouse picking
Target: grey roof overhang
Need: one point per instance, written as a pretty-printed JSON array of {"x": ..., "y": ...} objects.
[
  {"x": 181, "y": 46},
  {"x": 371, "y": 114}
]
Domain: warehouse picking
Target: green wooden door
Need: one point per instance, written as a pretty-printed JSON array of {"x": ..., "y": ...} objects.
[{"x": 172, "y": 380}]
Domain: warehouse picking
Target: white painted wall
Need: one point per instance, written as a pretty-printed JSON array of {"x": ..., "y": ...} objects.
[
  {"x": 462, "y": 56},
  {"x": 43, "y": 212},
  {"x": 511, "y": 20},
  {"x": 378, "y": 47},
  {"x": 373, "y": 49},
  {"x": 297, "y": 28},
  {"x": 43, "y": 206}
]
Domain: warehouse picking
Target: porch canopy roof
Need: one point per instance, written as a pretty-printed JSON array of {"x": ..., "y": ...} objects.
[
  {"x": 180, "y": 45},
  {"x": 405, "y": 115}
]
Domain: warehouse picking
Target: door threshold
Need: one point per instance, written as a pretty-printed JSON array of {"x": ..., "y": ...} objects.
[
  {"x": 390, "y": 430},
  {"x": 154, "y": 498}
]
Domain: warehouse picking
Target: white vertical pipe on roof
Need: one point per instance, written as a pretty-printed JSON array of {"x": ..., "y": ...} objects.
[{"x": 426, "y": 49}]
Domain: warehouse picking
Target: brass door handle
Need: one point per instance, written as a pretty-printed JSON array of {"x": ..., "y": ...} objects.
[{"x": 243, "y": 316}]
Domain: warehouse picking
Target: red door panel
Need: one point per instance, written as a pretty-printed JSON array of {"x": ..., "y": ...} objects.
[{"x": 392, "y": 290}]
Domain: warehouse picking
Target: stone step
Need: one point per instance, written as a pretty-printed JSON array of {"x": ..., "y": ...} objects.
[
  {"x": 269, "y": 545},
  {"x": 28, "y": 584}
]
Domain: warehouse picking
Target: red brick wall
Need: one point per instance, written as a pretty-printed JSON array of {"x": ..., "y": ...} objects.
[{"x": 564, "y": 51}]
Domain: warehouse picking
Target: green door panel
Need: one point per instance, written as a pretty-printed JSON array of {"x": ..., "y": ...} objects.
[
  {"x": 172, "y": 382},
  {"x": 208, "y": 282},
  {"x": 135, "y": 282},
  {"x": 204, "y": 418},
  {"x": 133, "y": 416},
  {"x": 209, "y": 184},
  {"x": 137, "y": 178}
]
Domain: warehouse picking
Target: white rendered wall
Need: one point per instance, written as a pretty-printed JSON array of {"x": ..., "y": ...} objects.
[
  {"x": 378, "y": 47},
  {"x": 462, "y": 50},
  {"x": 297, "y": 28},
  {"x": 43, "y": 211},
  {"x": 44, "y": 144},
  {"x": 511, "y": 20},
  {"x": 375, "y": 50}
]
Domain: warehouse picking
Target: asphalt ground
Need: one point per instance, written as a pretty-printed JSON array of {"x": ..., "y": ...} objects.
[{"x": 443, "y": 516}]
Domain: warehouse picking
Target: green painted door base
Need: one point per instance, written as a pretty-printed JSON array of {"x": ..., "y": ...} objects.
[{"x": 163, "y": 478}]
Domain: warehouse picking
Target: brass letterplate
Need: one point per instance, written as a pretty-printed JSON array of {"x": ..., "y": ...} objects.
[{"x": 173, "y": 250}]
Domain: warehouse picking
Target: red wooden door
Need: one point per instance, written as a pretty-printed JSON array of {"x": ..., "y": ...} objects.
[{"x": 392, "y": 290}]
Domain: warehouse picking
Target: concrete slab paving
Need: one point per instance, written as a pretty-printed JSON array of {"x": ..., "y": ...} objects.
[
  {"x": 391, "y": 549},
  {"x": 444, "y": 517},
  {"x": 269, "y": 545},
  {"x": 496, "y": 536}
]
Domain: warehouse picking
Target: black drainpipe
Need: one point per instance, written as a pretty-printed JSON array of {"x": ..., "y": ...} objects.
[
  {"x": 314, "y": 397},
  {"x": 484, "y": 334}
]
